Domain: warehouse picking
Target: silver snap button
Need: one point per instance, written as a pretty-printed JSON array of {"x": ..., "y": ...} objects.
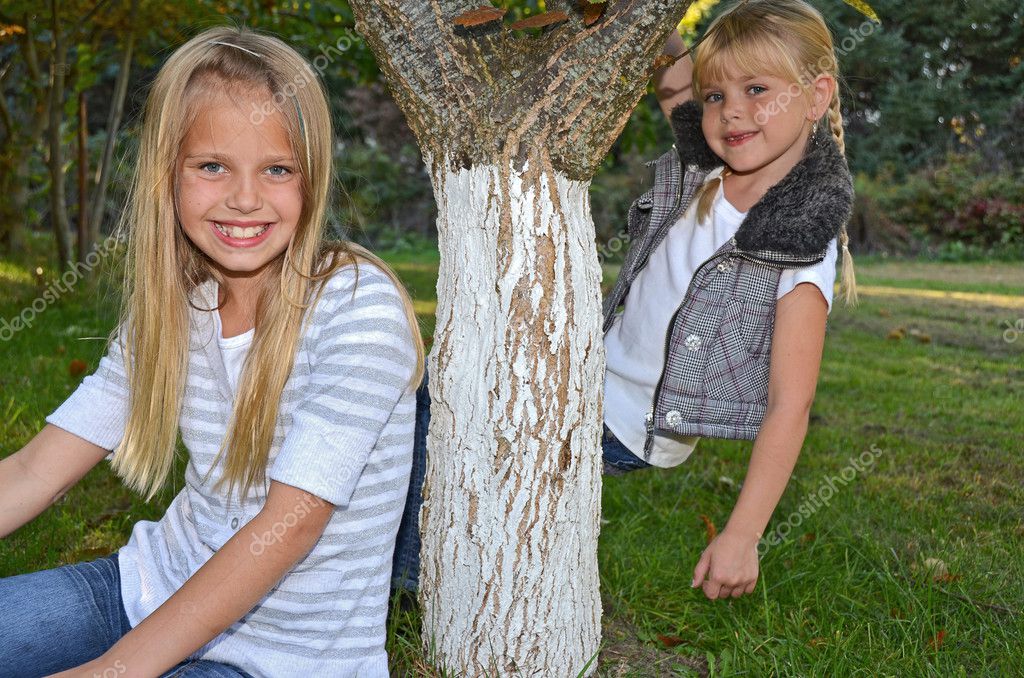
[
  {"x": 234, "y": 523},
  {"x": 692, "y": 342},
  {"x": 672, "y": 418},
  {"x": 649, "y": 417},
  {"x": 721, "y": 267}
]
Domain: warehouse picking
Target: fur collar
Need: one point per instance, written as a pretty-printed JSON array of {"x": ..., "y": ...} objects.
[{"x": 801, "y": 213}]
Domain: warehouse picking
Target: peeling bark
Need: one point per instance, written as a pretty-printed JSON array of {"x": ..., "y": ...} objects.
[{"x": 509, "y": 574}]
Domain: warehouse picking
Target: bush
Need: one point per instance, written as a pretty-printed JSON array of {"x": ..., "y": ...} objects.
[{"x": 959, "y": 209}]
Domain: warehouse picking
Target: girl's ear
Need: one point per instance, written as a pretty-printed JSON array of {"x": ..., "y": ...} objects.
[{"x": 822, "y": 90}]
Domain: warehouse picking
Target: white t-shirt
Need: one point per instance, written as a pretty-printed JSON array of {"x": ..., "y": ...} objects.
[
  {"x": 233, "y": 351},
  {"x": 635, "y": 344},
  {"x": 344, "y": 434}
]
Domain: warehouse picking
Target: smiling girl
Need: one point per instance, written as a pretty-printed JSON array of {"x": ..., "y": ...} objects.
[{"x": 285, "y": 363}]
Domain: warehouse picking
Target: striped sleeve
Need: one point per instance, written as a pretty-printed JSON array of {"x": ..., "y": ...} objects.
[
  {"x": 98, "y": 409},
  {"x": 361, "y": 361}
]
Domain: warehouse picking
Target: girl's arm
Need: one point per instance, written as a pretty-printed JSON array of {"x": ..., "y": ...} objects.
[
  {"x": 674, "y": 84},
  {"x": 223, "y": 590},
  {"x": 39, "y": 474},
  {"x": 797, "y": 344}
]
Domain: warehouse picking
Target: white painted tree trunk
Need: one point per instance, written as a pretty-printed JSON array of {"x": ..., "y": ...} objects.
[{"x": 510, "y": 547}]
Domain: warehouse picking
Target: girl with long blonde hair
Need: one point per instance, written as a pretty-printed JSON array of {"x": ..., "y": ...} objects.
[{"x": 286, "y": 363}]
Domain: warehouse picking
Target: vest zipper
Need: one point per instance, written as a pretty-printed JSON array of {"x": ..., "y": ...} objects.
[
  {"x": 649, "y": 441},
  {"x": 763, "y": 260}
]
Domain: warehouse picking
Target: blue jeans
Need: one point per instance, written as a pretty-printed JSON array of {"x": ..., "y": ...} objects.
[
  {"x": 405, "y": 567},
  {"x": 56, "y": 619}
]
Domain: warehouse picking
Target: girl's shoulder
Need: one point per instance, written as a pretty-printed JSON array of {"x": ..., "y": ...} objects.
[
  {"x": 354, "y": 278},
  {"x": 360, "y": 288}
]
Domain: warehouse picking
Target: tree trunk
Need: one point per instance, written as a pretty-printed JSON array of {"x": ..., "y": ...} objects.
[
  {"x": 113, "y": 125},
  {"x": 509, "y": 574},
  {"x": 58, "y": 208},
  {"x": 84, "y": 240},
  {"x": 512, "y": 126}
]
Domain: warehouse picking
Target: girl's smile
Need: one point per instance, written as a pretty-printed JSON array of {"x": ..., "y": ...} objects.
[
  {"x": 239, "y": 195},
  {"x": 756, "y": 124},
  {"x": 242, "y": 233}
]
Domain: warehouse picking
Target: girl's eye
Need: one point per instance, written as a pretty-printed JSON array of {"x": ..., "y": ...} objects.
[
  {"x": 279, "y": 171},
  {"x": 710, "y": 98},
  {"x": 207, "y": 165},
  {"x": 758, "y": 87}
]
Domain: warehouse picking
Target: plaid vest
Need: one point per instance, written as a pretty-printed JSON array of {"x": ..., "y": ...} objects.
[{"x": 718, "y": 346}]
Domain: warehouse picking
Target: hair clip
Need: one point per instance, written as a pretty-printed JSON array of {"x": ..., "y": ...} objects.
[{"x": 231, "y": 44}]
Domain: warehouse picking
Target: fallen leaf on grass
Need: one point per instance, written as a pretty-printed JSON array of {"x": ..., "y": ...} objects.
[
  {"x": 816, "y": 641},
  {"x": 920, "y": 336},
  {"x": 808, "y": 537},
  {"x": 478, "y": 16},
  {"x": 936, "y": 641},
  {"x": 539, "y": 20},
  {"x": 884, "y": 313},
  {"x": 709, "y": 527},
  {"x": 935, "y": 567},
  {"x": 670, "y": 641},
  {"x": 897, "y": 333},
  {"x": 76, "y": 367}
]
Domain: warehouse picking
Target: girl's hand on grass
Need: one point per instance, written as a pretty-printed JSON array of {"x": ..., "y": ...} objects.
[{"x": 730, "y": 564}]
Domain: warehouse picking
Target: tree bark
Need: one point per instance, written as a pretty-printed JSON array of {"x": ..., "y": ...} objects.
[
  {"x": 512, "y": 126},
  {"x": 84, "y": 240},
  {"x": 113, "y": 125},
  {"x": 58, "y": 207}
]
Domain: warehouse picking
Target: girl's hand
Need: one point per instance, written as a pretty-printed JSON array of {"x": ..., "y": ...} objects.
[{"x": 730, "y": 563}]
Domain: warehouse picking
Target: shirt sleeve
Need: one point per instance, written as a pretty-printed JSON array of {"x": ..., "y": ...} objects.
[
  {"x": 362, "y": 359},
  {"x": 98, "y": 409},
  {"x": 822, "y": 274}
]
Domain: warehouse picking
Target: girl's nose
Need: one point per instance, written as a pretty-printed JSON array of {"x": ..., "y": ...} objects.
[
  {"x": 730, "y": 110},
  {"x": 244, "y": 195}
]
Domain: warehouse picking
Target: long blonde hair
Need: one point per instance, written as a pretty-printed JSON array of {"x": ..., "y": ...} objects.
[
  {"x": 788, "y": 38},
  {"x": 163, "y": 267}
]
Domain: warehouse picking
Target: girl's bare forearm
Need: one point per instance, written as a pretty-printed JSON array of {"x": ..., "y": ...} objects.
[
  {"x": 771, "y": 465},
  {"x": 674, "y": 84}
]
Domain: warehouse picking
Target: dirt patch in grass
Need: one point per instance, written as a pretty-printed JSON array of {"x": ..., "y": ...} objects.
[{"x": 624, "y": 655}]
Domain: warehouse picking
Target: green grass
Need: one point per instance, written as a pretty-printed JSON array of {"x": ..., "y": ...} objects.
[{"x": 843, "y": 594}]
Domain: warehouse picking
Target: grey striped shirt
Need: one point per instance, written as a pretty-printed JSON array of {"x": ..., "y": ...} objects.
[{"x": 344, "y": 434}]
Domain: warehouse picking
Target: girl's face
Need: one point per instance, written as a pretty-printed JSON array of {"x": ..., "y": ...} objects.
[
  {"x": 238, "y": 191},
  {"x": 760, "y": 123}
]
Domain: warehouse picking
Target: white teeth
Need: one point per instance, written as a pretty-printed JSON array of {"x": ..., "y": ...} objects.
[{"x": 241, "y": 233}]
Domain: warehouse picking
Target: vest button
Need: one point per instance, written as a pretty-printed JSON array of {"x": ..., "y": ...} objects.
[
  {"x": 234, "y": 523},
  {"x": 692, "y": 342},
  {"x": 673, "y": 418}
]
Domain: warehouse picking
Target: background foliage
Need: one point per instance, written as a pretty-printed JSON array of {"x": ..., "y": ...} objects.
[{"x": 933, "y": 100}]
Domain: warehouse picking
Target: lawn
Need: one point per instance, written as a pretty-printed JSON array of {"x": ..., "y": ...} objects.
[{"x": 901, "y": 549}]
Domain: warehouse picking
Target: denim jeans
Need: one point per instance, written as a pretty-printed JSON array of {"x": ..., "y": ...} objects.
[
  {"x": 406, "y": 564},
  {"x": 56, "y": 619}
]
